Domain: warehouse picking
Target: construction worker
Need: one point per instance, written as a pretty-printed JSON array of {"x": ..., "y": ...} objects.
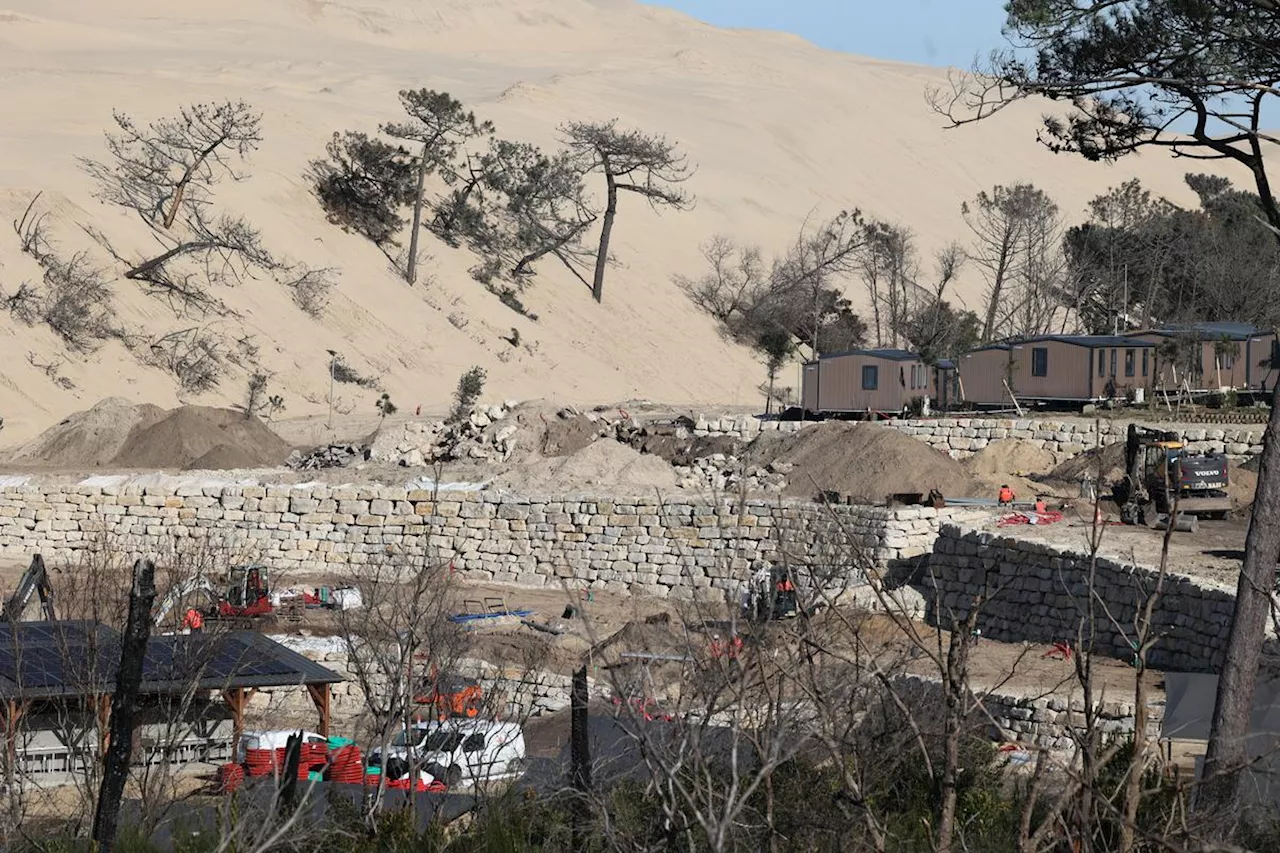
[
  {"x": 1006, "y": 495},
  {"x": 1040, "y": 505},
  {"x": 192, "y": 621}
]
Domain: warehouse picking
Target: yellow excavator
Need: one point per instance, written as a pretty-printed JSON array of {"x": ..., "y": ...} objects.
[{"x": 1159, "y": 470}]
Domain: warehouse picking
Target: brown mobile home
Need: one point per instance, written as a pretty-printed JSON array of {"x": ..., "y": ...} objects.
[
  {"x": 1057, "y": 368},
  {"x": 868, "y": 380},
  {"x": 1211, "y": 355}
]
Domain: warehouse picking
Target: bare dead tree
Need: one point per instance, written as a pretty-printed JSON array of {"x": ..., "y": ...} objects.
[
  {"x": 808, "y": 278},
  {"x": 174, "y": 162},
  {"x": 166, "y": 173},
  {"x": 734, "y": 283},
  {"x": 1018, "y": 246},
  {"x": 631, "y": 161},
  {"x": 197, "y": 356},
  {"x": 442, "y": 126},
  {"x": 32, "y": 229}
]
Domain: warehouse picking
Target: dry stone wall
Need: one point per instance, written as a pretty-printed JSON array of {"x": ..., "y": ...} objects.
[
  {"x": 961, "y": 437},
  {"x": 1047, "y": 722},
  {"x": 1036, "y": 593},
  {"x": 642, "y": 545}
]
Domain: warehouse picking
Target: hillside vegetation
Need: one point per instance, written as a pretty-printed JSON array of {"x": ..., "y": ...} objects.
[{"x": 777, "y": 133}]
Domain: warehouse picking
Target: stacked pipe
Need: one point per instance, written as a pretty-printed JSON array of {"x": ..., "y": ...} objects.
[
  {"x": 347, "y": 765},
  {"x": 230, "y": 777},
  {"x": 261, "y": 762}
]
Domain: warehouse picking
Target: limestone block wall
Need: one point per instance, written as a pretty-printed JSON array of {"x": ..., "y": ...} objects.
[
  {"x": 1035, "y": 720},
  {"x": 644, "y": 545},
  {"x": 1040, "y": 594},
  {"x": 962, "y": 436}
]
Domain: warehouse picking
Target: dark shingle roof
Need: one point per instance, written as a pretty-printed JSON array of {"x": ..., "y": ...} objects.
[
  {"x": 889, "y": 354},
  {"x": 40, "y": 660},
  {"x": 1230, "y": 330}
]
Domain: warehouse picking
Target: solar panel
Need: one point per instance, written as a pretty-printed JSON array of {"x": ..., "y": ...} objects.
[
  {"x": 56, "y": 658},
  {"x": 46, "y": 667}
]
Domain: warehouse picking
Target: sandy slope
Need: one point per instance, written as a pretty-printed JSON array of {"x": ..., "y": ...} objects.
[{"x": 778, "y": 128}]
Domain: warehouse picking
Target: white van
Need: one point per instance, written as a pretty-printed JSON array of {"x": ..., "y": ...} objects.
[
  {"x": 459, "y": 752},
  {"x": 278, "y": 739}
]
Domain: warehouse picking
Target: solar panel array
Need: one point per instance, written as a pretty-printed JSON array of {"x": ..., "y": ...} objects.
[{"x": 78, "y": 658}]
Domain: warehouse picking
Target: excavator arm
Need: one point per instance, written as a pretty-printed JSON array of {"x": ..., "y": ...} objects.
[
  {"x": 179, "y": 592},
  {"x": 34, "y": 580}
]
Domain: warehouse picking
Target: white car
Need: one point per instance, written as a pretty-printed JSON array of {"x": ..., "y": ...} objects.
[
  {"x": 278, "y": 739},
  {"x": 457, "y": 752}
]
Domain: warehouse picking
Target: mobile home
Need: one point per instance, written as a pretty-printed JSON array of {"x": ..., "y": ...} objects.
[
  {"x": 865, "y": 380},
  {"x": 1057, "y": 369},
  {"x": 1212, "y": 356}
]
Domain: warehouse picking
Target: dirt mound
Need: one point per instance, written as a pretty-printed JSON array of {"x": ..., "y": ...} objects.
[
  {"x": 564, "y": 437},
  {"x": 1241, "y": 484},
  {"x": 602, "y": 463},
  {"x": 864, "y": 461},
  {"x": 224, "y": 457},
  {"x": 91, "y": 438},
  {"x": 1109, "y": 460},
  {"x": 1009, "y": 456},
  {"x": 199, "y": 436}
]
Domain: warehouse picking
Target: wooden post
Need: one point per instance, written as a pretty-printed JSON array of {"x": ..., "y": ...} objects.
[
  {"x": 237, "y": 699},
  {"x": 320, "y": 696}
]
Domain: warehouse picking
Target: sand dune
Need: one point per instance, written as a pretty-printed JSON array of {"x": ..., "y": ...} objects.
[{"x": 777, "y": 127}]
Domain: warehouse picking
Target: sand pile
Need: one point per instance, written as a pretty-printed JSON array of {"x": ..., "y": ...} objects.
[
  {"x": 1241, "y": 485},
  {"x": 1010, "y": 457},
  {"x": 864, "y": 461},
  {"x": 89, "y": 439},
  {"x": 196, "y": 437},
  {"x": 604, "y": 463},
  {"x": 1109, "y": 460}
]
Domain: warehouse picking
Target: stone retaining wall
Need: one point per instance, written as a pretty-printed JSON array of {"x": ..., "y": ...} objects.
[
  {"x": 1040, "y": 594},
  {"x": 1036, "y": 720},
  {"x": 961, "y": 436},
  {"x": 642, "y": 545}
]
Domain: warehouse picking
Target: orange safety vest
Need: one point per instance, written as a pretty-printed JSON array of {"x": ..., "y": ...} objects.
[
  {"x": 1006, "y": 495},
  {"x": 1040, "y": 507},
  {"x": 193, "y": 620}
]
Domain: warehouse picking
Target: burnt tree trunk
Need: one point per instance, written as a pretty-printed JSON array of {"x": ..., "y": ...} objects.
[
  {"x": 606, "y": 231},
  {"x": 1226, "y": 755},
  {"x": 579, "y": 754},
  {"x": 133, "y": 650}
]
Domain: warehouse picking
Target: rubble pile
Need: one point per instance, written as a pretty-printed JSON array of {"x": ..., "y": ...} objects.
[
  {"x": 722, "y": 472},
  {"x": 331, "y": 456},
  {"x": 482, "y": 436}
]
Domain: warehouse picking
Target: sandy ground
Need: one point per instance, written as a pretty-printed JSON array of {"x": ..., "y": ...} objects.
[{"x": 779, "y": 130}]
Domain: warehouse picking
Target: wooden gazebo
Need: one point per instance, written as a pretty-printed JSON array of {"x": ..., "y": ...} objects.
[{"x": 75, "y": 662}]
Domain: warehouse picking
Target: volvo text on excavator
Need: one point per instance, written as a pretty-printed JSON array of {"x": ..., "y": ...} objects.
[{"x": 1159, "y": 470}]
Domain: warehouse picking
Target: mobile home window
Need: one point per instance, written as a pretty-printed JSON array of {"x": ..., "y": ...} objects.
[
  {"x": 870, "y": 377},
  {"x": 1130, "y": 362},
  {"x": 1101, "y": 355},
  {"x": 1113, "y": 363},
  {"x": 1145, "y": 354},
  {"x": 1040, "y": 361}
]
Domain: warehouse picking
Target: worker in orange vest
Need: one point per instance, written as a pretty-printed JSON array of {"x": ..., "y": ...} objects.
[
  {"x": 1040, "y": 505},
  {"x": 192, "y": 621},
  {"x": 1006, "y": 495}
]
